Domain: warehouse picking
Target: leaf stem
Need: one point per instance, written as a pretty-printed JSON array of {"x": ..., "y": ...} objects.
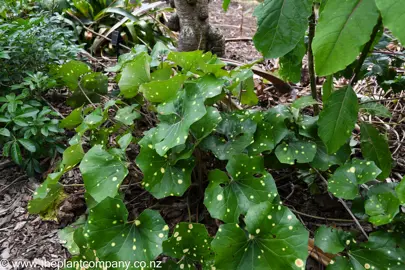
[
  {"x": 311, "y": 67},
  {"x": 366, "y": 51},
  {"x": 344, "y": 205}
]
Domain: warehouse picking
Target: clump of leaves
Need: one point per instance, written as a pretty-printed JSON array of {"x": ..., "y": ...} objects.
[
  {"x": 29, "y": 131},
  {"x": 32, "y": 44},
  {"x": 190, "y": 96}
]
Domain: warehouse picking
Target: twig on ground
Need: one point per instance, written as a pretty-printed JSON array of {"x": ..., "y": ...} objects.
[{"x": 18, "y": 179}]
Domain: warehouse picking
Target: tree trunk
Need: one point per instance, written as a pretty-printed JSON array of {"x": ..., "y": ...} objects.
[{"x": 191, "y": 20}]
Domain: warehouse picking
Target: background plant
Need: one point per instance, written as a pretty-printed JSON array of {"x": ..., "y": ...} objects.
[
  {"x": 190, "y": 103},
  {"x": 33, "y": 44}
]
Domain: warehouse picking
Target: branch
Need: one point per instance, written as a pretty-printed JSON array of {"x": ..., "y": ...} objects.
[
  {"x": 278, "y": 83},
  {"x": 311, "y": 67},
  {"x": 344, "y": 205},
  {"x": 366, "y": 51}
]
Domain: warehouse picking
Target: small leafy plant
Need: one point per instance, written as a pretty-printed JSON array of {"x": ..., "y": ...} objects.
[
  {"x": 33, "y": 44},
  {"x": 28, "y": 131}
]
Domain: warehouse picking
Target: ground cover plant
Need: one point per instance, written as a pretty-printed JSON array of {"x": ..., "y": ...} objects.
[{"x": 186, "y": 130}]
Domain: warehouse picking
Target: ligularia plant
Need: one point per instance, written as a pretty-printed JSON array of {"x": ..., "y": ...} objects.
[{"x": 191, "y": 104}]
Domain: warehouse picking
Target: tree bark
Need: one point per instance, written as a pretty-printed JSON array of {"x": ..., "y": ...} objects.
[{"x": 192, "y": 21}]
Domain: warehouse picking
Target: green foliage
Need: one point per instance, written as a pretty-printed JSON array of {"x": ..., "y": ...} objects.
[
  {"x": 131, "y": 18},
  {"x": 382, "y": 204},
  {"x": 113, "y": 238},
  {"x": 391, "y": 12},
  {"x": 342, "y": 23},
  {"x": 374, "y": 146},
  {"x": 270, "y": 230},
  {"x": 28, "y": 131},
  {"x": 337, "y": 119},
  {"x": 86, "y": 86},
  {"x": 281, "y": 26},
  {"x": 250, "y": 184},
  {"x": 332, "y": 240},
  {"x": 102, "y": 173},
  {"x": 32, "y": 45},
  {"x": 187, "y": 99},
  {"x": 346, "y": 180},
  {"x": 291, "y": 63},
  {"x": 191, "y": 243},
  {"x": 378, "y": 253}
]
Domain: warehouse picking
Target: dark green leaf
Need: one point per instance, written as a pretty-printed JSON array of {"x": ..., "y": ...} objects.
[
  {"x": 28, "y": 144},
  {"x": 16, "y": 153},
  {"x": 332, "y": 240},
  {"x": 346, "y": 180},
  {"x": 191, "y": 243},
  {"x": 382, "y": 204},
  {"x": 233, "y": 135},
  {"x": 271, "y": 130},
  {"x": 250, "y": 184},
  {"x": 275, "y": 239},
  {"x": 379, "y": 253},
  {"x": 338, "y": 118},
  {"x": 281, "y": 25},
  {"x": 114, "y": 238},
  {"x": 291, "y": 63},
  {"x": 374, "y": 147},
  {"x": 102, "y": 173},
  {"x": 300, "y": 151}
]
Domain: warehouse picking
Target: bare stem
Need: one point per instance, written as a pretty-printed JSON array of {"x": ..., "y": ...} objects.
[
  {"x": 366, "y": 51},
  {"x": 311, "y": 67}
]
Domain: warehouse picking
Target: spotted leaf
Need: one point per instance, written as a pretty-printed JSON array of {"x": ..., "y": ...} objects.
[
  {"x": 332, "y": 240},
  {"x": 72, "y": 155},
  {"x": 164, "y": 90},
  {"x": 134, "y": 73},
  {"x": 271, "y": 130},
  {"x": 71, "y": 72},
  {"x": 102, "y": 173},
  {"x": 210, "y": 86},
  {"x": 274, "y": 239},
  {"x": 243, "y": 86},
  {"x": 191, "y": 243},
  {"x": 204, "y": 127},
  {"x": 250, "y": 184},
  {"x": 66, "y": 235},
  {"x": 74, "y": 119},
  {"x": 300, "y": 151},
  {"x": 114, "y": 238},
  {"x": 323, "y": 160},
  {"x": 379, "y": 253},
  {"x": 233, "y": 135},
  {"x": 162, "y": 177},
  {"x": 382, "y": 204},
  {"x": 47, "y": 197},
  {"x": 346, "y": 180},
  {"x": 127, "y": 115},
  {"x": 176, "y": 117}
]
